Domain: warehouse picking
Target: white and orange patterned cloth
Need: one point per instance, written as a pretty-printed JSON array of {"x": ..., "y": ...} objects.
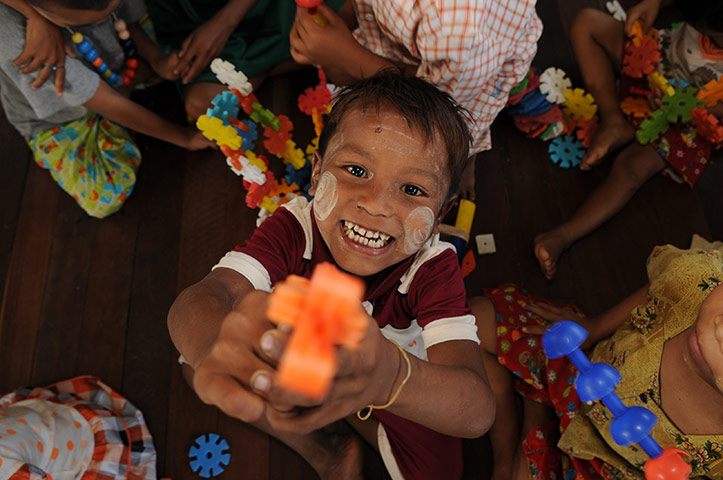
[{"x": 475, "y": 50}]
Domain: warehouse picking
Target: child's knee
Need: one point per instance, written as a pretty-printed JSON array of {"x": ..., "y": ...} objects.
[
  {"x": 484, "y": 313},
  {"x": 582, "y": 24},
  {"x": 637, "y": 163}
]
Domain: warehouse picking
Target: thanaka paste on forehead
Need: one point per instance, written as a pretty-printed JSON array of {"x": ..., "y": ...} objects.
[
  {"x": 417, "y": 227},
  {"x": 326, "y": 196}
]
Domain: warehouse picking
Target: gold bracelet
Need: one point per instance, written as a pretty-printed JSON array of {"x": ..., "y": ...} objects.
[{"x": 369, "y": 409}]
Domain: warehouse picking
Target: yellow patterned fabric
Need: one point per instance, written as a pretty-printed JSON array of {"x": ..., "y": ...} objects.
[{"x": 680, "y": 280}]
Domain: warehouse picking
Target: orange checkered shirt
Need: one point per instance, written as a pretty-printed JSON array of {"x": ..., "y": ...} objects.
[{"x": 476, "y": 50}]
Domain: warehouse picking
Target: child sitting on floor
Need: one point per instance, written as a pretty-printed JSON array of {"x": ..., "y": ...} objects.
[
  {"x": 79, "y": 135},
  {"x": 389, "y": 160},
  {"x": 78, "y": 428},
  {"x": 667, "y": 343},
  {"x": 692, "y": 52}
]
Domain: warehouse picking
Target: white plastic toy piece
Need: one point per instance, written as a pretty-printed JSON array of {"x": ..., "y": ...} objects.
[
  {"x": 229, "y": 76},
  {"x": 251, "y": 173},
  {"x": 616, "y": 10},
  {"x": 263, "y": 215},
  {"x": 553, "y": 84},
  {"x": 485, "y": 243}
]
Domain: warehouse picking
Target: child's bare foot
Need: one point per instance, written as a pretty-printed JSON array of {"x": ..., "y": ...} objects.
[
  {"x": 548, "y": 247},
  {"x": 347, "y": 459},
  {"x": 614, "y": 132}
]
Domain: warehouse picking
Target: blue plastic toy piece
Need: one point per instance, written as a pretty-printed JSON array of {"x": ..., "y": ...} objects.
[
  {"x": 225, "y": 104},
  {"x": 300, "y": 177},
  {"x": 597, "y": 381},
  {"x": 532, "y": 104},
  {"x": 248, "y": 137},
  {"x": 566, "y": 151},
  {"x": 208, "y": 457}
]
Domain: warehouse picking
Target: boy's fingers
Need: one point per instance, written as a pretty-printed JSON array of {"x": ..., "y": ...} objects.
[
  {"x": 272, "y": 344},
  {"x": 226, "y": 393},
  {"x": 24, "y": 58},
  {"x": 41, "y": 78},
  {"x": 534, "y": 329},
  {"x": 59, "y": 81},
  {"x": 32, "y": 66}
]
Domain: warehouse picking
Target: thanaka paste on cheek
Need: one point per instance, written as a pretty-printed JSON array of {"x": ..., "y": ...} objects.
[
  {"x": 326, "y": 196},
  {"x": 417, "y": 228}
]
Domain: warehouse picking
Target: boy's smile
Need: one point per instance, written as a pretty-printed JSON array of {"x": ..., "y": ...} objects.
[{"x": 379, "y": 191}]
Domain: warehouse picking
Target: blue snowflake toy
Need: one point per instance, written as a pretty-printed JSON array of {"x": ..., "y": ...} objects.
[
  {"x": 566, "y": 152},
  {"x": 208, "y": 455}
]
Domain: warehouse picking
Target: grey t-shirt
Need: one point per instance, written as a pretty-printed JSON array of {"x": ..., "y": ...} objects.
[{"x": 32, "y": 111}]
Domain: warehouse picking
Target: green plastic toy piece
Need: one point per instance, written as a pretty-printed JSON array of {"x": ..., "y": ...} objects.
[
  {"x": 678, "y": 106},
  {"x": 652, "y": 127}
]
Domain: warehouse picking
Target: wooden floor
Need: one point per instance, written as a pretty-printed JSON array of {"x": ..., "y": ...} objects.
[{"x": 88, "y": 296}]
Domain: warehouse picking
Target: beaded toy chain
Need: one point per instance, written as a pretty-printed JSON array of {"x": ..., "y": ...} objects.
[{"x": 92, "y": 56}]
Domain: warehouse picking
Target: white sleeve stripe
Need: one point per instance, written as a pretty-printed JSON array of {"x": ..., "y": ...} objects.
[
  {"x": 447, "y": 329},
  {"x": 247, "y": 266}
]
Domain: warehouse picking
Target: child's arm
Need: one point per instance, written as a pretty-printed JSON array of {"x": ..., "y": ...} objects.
[
  {"x": 116, "y": 107},
  {"x": 207, "y": 41},
  {"x": 44, "y": 45},
  {"x": 333, "y": 48},
  {"x": 449, "y": 393},
  {"x": 216, "y": 324},
  {"x": 598, "y": 327}
]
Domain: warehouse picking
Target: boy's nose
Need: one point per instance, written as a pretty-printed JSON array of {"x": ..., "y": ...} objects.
[{"x": 376, "y": 201}]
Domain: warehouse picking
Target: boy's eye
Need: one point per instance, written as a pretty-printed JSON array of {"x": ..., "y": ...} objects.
[
  {"x": 412, "y": 190},
  {"x": 356, "y": 170}
]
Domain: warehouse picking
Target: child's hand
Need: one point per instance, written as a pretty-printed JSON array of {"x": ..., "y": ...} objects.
[
  {"x": 166, "y": 66},
  {"x": 202, "y": 45},
  {"x": 646, "y": 11},
  {"x": 328, "y": 46},
  {"x": 369, "y": 375},
  {"x": 555, "y": 314},
  {"x": 45, "y": 49},
  {"x": 196, "y": 140},
  {"x": 236, "y": 371}
]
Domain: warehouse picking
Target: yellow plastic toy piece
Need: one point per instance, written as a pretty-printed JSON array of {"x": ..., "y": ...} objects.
[
  {"x": 312, "y": 146},
  {"x": 712, "y": 92},
  {"x": 293, "y": 155},
  {"x": 269, "y": 204},
  {"x": 254, "y": 160},
  {"x": 579, "y": 104},
  {"x": 214, "y": 129},
  {"x": 636, "y": 32},
  {"x": 659, "y": 82},
  {"x": 318, "y": 122},
  {"x": 465, "y": 215}
]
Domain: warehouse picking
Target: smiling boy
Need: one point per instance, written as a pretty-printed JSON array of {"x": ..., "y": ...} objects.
[{"x": 390, "y": 154}]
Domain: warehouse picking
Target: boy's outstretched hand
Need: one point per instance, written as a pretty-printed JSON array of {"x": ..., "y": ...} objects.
[
  {"x": 368, "y": 375},
  {"x": 236, "y": 371},
  {"x": 45, "y": 50}
]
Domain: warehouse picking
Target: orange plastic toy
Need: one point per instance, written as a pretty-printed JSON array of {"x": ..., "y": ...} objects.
[
  {"x": 668, "y": 466},
  {"x": 324, "y": 312}
]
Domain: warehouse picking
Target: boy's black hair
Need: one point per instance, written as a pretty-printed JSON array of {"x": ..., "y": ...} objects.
[
  {"x": 707, "y": 13},
  {"x": 97, "y": 5},
  {"x": 427, "y": 110}
]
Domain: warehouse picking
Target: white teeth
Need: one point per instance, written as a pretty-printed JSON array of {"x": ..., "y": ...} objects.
[{"x": 363, "y": 236}]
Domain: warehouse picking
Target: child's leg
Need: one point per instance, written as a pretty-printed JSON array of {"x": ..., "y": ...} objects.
[
  {"x": 632, "y": 168},
  {"x": 505, "y": 432},
  {"x": 597, "y": 40}
]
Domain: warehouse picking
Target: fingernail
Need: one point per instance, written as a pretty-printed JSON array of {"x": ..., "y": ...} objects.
[
  {"x": 523, "y": 304},
  {"x": 267, "y": 343},
  {"x": 260, "y": 382}
]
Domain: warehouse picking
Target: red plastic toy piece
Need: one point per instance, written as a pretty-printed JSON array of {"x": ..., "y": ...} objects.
[
  {"x": 256, "y": 192},
  {"x": 315, "y": 97},
  {"x": 276, "y": 139},
  {"x": 668, "y": 466},
  {"x": 707, "y": 124},
  {"x": 586, "y": 130},
  {"x": 324, "y": 312},
  {"x": 641, "y": 60}
]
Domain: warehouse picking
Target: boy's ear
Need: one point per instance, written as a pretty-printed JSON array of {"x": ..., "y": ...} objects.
[
  {"x": 315, "y": 172},
  {"x": 444, "y": 211}
]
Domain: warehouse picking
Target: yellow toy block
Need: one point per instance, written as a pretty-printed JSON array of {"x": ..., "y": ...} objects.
[
  {"x": 293, "y": 155},
  {"x": 269, "y": 204},
  {"x": 659, "y": 82},
  {"x": 254, "y": 160},
  {"x": 214, "y": 129}
]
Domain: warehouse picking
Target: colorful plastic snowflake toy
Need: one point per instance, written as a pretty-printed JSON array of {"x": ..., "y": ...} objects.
[
  {"x": 208, "y": 455},
  {"x": 579, "y": 104},
  {"x": 554, "y": 83}
]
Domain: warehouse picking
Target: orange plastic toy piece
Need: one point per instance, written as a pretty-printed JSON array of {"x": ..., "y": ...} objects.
[
  {"x": 586, "y": 130},
  {"x": 668, "y": 466},
  {"x": 641, "y": 60},
  {"x": 712, "y": 92},
  {"x": 635, "y": 106},
  {"x": 275, "y": 141},
  {"x": 324, "y": 312}
]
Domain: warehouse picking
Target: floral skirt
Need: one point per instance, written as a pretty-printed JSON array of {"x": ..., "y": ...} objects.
[
  {"x": 93, "y": 159},
  {"x": 543, "y": 380}
]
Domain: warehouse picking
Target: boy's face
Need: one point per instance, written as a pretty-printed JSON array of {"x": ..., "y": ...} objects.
[
  {"x": 379, "y": 191},
  {"x": 66, "y": 17},
  {"x": 706, "y": 339}
]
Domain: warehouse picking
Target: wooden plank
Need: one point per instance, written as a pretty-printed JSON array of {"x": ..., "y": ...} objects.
[
  {"x": 22, "y": 298},
  {"x": 60, "y": 334}
]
